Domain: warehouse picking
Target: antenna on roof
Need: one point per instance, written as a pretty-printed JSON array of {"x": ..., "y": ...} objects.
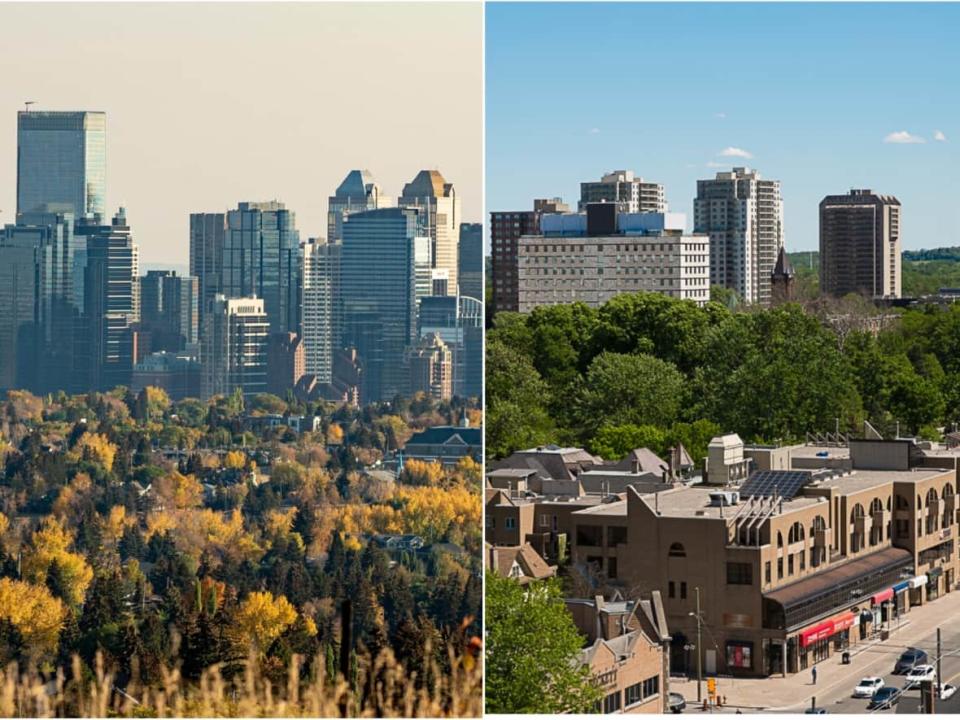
[{"x": 28, "y": 103}]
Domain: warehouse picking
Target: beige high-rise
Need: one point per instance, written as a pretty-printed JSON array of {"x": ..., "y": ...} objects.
[
  {"x": 430, "y": 191},
  {"x": 860, "y": 244}
]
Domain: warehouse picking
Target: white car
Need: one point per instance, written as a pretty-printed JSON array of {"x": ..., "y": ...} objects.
[
  {"x": 868, "y": 687},
  {"x": 947, "y": 691},
  {"x": 919, "y": 674}
]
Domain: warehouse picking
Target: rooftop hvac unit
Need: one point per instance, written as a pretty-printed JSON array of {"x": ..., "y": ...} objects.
[{"x": 724, "y": 499}]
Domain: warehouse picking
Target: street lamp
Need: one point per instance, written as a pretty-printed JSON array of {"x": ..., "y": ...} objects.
[{"x": 698, "y": 645}]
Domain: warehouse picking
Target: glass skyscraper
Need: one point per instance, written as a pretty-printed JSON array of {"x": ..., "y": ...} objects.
[
  {"x": 61, "y": 161},
  {"x": 378, "y": 291},
  {"x": 261, "y": 257}
]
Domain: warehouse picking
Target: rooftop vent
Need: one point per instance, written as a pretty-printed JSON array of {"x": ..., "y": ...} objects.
[{"x": 724, "y": 499}]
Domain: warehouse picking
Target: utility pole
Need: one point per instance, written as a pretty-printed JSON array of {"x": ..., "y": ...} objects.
[
  {"x": 938, "y": 688},
  {"x": 699, "y": 651}
]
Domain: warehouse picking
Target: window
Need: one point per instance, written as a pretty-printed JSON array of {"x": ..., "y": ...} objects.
[
  {"x": 651, "y": 686},
  {"x": 491, "y": 522},
  {"x": 510, "y": 523},
  {"x": 612, "y": 568},
  {"x": 544, "y": 521},
  {"x": 590, "y": 535},
  {"x": 779, "y": 568},
  {"x": 633, "y": 694},
  {"x": 616, "y": 535},
  {"x": 740, "y": 655},
  {"x": 671, "y": 590},
  {"x": 611, "y": 703},
  {"x": 677, "y": 550},
  {"x": 740, "y": 573},
  {"x": 767, "y": 578},
  {"x": 683, "y": 591},
  {"x": 790, "y": 565}
]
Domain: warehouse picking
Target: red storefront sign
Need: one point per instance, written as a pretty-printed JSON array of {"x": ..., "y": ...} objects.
[
  {"x": 882, "y": 596},
  {"x": 825, "y": 629}
]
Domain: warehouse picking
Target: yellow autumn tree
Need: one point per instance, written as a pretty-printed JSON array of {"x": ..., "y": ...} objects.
[
  {"x": 179, "y": 491},
  {"x": 95, "y": 447},
  {"x": 421, "y": 472},
  {"x": 50, "y": 544},
  {"x": 430, "y": 511},
  {"x": 263, "y": 618},
  {"x": 235, "y": 460},
  {"x": 36, "y": 614},
  {"x": 115, "y": 523},
  {"x": 334, "y": 434}
]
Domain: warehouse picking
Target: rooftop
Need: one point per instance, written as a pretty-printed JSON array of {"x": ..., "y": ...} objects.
[{"x": 858, "y": 480}]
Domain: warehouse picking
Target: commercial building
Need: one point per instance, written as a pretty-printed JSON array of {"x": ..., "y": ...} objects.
[
  {"x": 261, "y": 256},
  {"x": 169, "y": 310},
  {"x": 440, "y": 206},
  {"x": 179, "y": 374},
  {"x": 320, "y": 310},
  {"x": 61, "y": 159},
  {"x": 631, "y": 194},
  {"x": 378, "y": 295},
  {"x": 470, "y": 273},
  {"x": 743, "y": 215},
  {"x": 506, "y": 229},
  {"x": 207, "y": 233},
  {"x": 860, "y": 244},
  {"x": 594, "y": 256},
  {"x": 459, "y": 323},
  {"x": 358, "y": 192},
  {"x": 234, "y": 347},
  {"x": 788, "y": 565},
  {"x": 286, "y": 362},
  {"x": 431, "y": 368}
]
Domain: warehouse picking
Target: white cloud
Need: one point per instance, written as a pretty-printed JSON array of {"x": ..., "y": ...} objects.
[
  {"x": 903, "y": 138},
  {"x": 735, "y": 152},
  {"x": 939, "y": 136},
  {"x": 712, "y": 164},
  {"x": 594, "y": 131},
  {"x": 720, "y": 115}
]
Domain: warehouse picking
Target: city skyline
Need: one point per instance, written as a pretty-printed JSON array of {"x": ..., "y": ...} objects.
[
  {"x": 226, "y": 145},
  {"x": 821, "y": 126}
]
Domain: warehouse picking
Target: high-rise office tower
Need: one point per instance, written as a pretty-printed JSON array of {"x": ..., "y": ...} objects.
[
  {"x": 459, "y": 323},
  {"x": 506, "y": 229},
  {"x": 61, "y": 160},
  {"x": 470, "y": 274},
  {"x": 207, "y": 232},
  {"x": 169, "y": 310},
  {"x": 378, "y": 295},
  {"x": 632, "y": 194},
  {"x": 358, "y": 192},
  {"x": 441, "y": 218},
  {"x": 234, "y": 347},
  {"x": 431, "y": 368},
  {"x": 860, "y": 244},
  {"x": 110, "y": 302},
  {"x": 261, "y": 256},
  {"x": 320, "y": 310},
  {"x": 36, "y": 293},
  {"x": 743, "y": 214}
]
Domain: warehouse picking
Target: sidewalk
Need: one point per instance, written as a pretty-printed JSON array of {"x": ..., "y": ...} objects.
[{"x": 793, "y": 693}]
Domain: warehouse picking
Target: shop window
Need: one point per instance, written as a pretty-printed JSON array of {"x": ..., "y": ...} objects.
[{"x": 740, "y": 655}]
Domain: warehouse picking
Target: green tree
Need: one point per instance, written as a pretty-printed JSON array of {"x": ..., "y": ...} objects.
[
  {"x": 533, "y": 659},
  {"x": 517, "y": 400}
]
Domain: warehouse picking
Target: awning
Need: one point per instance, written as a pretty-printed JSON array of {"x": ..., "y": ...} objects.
[
  {"x": 882, "y": 596},
  {"x": 918, "y": 581},
  {"x": 827, "y": 628},
  {"x": 900, "y": 587}
]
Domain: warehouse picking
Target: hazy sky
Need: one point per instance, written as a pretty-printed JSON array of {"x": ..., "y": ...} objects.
[
  {"x": 822, "y": 97},
  {"x": 211, "y": 104}
]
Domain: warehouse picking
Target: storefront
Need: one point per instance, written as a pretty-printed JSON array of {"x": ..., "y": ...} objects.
[
  {"x": 882, "y": 605},
  {"x": 900, "y": 598},
  {"x": 933, "y": 583},
  {"x": 916, "y": 589},
  {"x": 815, "y": 642}
]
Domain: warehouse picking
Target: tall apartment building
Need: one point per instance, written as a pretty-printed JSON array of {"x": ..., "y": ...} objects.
[
  {"x": 286, "y": 362},
  {"x": 441, "y": 212},
  {"x": 860, "y": 244},
  {"x": 207, "y": 233},
  {"x": 169, "y": 310},
  {"x": 631, "y": 194},
  {"x": 743, "y": 215},
  {"x": 358, "y": 192},
  {"x": 431, "y": 368},
  {"x": 470, "y": 273},
  {"x": 320, "y": 309},
  {"x": 261, "y": 256},
  {"x": 61, "y": 160},
  {"x": 594, "y": 256},
  {"x": 234, "y": 348},
  {"x": 506, "y": 229},
  {"x": 378, "y": 295},
  {"x": 36, "y": 292},
  {"x": 111, "y": 303}
]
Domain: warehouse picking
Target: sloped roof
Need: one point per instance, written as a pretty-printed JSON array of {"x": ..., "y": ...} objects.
[
  {"x": 501, "y": 559},
  {"x": 355, "y": 184},
  {"x": 783, "y": 266},
  {"x": 447, "y": 435},
  {"x": 427, "y": 183}
]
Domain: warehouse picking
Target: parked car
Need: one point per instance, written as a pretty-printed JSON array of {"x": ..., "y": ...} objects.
[
  {"x": 676, "y": 702},
  {"x": 910, "y": 658},
  {"x": 868, "y": 687},
  {"x": 885, "y": 697},
  {"x": 921, "y": 673},
  {"x": 947, "y": 691}
]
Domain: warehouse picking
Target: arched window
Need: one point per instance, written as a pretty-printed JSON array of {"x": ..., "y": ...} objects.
[
  {"x": 677, "y": 550},
  {"x": 795, "y": 534},
  {"x": 856, "y": 534},
  {"x": 779, "y": 539}
]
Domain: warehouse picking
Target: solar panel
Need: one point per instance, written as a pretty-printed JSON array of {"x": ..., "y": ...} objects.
[{"x": 785, "y": 483}]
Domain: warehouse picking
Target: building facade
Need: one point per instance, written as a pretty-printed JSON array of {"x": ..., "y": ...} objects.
[
  {"x": 286, "y": 362},
  {"x": 630, "y": 193},
  {"x": 431, "y": 368},
  {"x": 207, "y": 233},
  {"x": 234, "y": 347},
  {"x": 61, "y": 160},
  {"x": 261, "y": 256},
  {"x": 743, "y": 215},
  {"x": 470, "y": 273},
  {"x": 169, "y": 310},
  {"x": 594, "y": 256},
  {"x": 860, "y": 244},
  {"x": 321, "y": 308},
  {"x": 358, "y": 192},
  {"x": 440, "y": 209}
]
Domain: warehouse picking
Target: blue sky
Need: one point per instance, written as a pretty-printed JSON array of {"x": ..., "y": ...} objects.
[{"x": 823, "y": 97}]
